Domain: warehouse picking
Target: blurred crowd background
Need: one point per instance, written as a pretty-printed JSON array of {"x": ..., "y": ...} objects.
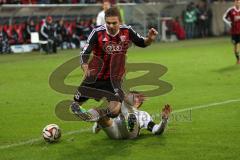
[{"x": 70, "y": 30}]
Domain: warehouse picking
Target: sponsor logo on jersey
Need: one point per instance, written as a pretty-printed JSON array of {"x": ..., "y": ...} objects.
[
  {"x": 237, "y": 18},
  {"x": 116, "y": 47}
]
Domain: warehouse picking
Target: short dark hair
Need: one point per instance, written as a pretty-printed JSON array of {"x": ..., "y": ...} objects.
[{"x": 113, "y": 12}]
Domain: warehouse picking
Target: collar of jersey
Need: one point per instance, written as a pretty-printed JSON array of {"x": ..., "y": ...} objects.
[{"x": 236, "y": 8}]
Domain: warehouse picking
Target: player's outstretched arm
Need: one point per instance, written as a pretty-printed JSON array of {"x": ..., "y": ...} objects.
[{"x": 158, "y": 129}]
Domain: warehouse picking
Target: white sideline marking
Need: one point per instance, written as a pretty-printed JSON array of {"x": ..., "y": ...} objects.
[
  {"x": 31, "y": 141},
  {"x": 207, "y": 105},
  {"x": 85, "y": 130}
]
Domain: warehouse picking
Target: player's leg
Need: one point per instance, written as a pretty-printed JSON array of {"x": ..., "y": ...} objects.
[
  {"x": 102, "y": 123},
  {"x": 97, "y": 91},
  {"x": 97, "y": 114},
  {"x": 80, "y": 97},
  {"x": 112, "y": 128},
  {"x": 114, "y": 96},
  {"x": 117, "y": 128},
  {"x": 76, "y": 106},
  {"x": 114, "y": 108},
  {"x": 102, "y": 115},
  {"x": 236, "y": 52},
  {"x": 236, "y": 49},
  {"x": 88, "y": 89}
]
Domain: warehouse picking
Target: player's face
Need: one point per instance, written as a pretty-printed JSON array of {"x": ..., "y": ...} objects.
[
  {"x": 106, "y": 6},
  {"x": 237, "y": 3},
  {"x": 137, "y": 102},
  {"x": 113, "y": 24}
]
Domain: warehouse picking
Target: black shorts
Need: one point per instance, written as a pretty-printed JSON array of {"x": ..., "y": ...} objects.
[
  {"x": 236, "y": 38},
  {"x": 99, "y": 89}
]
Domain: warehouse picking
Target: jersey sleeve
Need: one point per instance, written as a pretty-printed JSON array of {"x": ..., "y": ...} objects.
[
  {"x": 87, "y": 49},
  {"x": 143, "y": 119},
  {"x": 226, "y": 17},
  {"x": 44, "y": 31},
  {"x": 136, "y": 38},
  {"x": 100, "y": 18}
]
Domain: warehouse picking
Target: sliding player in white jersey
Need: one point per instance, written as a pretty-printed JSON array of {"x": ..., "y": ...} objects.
[{"x": 131, "y": 120}]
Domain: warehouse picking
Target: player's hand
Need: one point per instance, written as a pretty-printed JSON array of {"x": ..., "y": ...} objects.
[
  {"x": 152, "y": 34},
  {"x": 166, "y": 111},
  {"x": 86, "y": 70}
]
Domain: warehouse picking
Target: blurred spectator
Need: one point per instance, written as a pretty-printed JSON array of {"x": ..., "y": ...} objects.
[
  {"x": 43, "y": 1},
  {"x": 62, "y": 37},
  {"x": 93, "y": 23},
  {"x": 177, "y": 29},
  {"x": 3, "y": 1},
  {"x": 101, "y": 15},
  {"x": 28, "y": 1},
  {"x": 78, "y": 34},
  {"x": 87, "y": 29},
  {"x": 31, "y": 27},
  {"x": 74, "y": 1},
  {"x": 189, "y": 20},
  {"x": 19, "y": 29},
  {"x": 204, "y": 20},
  {"x": 48, "y": 34},
  {"x": 4, "y": 45},
  {"x": 13, "y": 36}
]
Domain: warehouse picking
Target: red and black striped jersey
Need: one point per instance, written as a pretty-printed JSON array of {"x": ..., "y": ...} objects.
[
  {"x": 232, "y": 16},
  {"x": 109, "y": 52}
]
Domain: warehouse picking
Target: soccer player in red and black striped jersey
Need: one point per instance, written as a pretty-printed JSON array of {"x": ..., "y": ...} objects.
[
  {"x": 105, "y": 67},
  {"x": 232, "y": 18}
]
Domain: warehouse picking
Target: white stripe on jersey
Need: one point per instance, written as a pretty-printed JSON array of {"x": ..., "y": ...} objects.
[
  {"x": 102, "y": 27},
  {"x": 42, "y": 30},
  {"x": 81, "y": 53},
  {"x": 225, "y": 14},
  {"x": 130, "y": 28},
  {"x": 90, "y": 36},
  {"x": 125, "y": 26},
  {"x": 99, "y": 28}
]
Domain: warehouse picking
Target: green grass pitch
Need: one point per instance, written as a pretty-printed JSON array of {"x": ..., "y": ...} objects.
[{"x": 203, "y": 74}]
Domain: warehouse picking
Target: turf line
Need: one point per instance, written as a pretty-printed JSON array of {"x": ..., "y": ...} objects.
[
  {"x": 207, "y": 105},
  {"x": 31, "y": 141}
]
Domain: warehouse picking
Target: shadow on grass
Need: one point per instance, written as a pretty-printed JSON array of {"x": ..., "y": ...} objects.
[
  {"x": 98, "y": 147},
  {"x": 229, "y": 69}
]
